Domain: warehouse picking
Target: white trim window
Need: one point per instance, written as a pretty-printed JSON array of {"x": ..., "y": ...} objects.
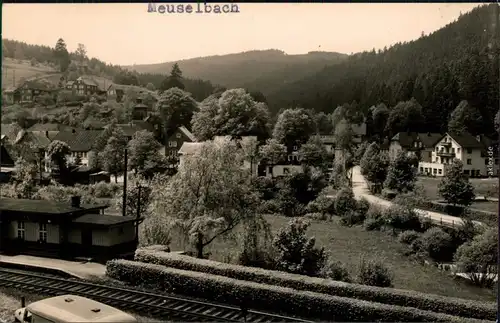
[
  {"x": 20, "y": 230},
  {"x": 42, "y": 232}
]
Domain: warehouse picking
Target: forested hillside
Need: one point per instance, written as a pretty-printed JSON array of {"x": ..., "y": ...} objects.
[
  {"x": 439, "y": 70},
  {"x": 265, "y": 70}
]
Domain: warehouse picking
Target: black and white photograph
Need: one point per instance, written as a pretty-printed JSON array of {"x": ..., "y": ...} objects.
[{"x": 249, "y": 162}]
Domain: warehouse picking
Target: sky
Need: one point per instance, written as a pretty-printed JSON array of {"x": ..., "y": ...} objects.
[{"x": 126, "y": 34}]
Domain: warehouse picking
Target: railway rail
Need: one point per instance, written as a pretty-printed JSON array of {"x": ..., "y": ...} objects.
[{"x": 149, "y": 304}]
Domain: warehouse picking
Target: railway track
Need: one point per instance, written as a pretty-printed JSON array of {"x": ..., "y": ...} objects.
[{"x": 149, "y": 304}]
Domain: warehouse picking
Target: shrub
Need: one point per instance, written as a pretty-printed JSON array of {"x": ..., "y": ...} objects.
[
  {"x": 407, "y": 237},
  {"x": 402, "y": 218},
  {"x": 322, "y": 204},
  {"x": 296, "y": 252},
  {"x": 104, "y": 190},
  {"x": 271, "y": 298},
  {"x": 374, "y": 273},
  {"x": 317, "y": 216},
  {"x": 269, "y": 207},
  {"x": 344, "y": 201},
  {"x": 336, "y": 270},
  {"x": 374, "y": 219},
  {"x": 436, "y": 303},
  {"x": 389, "y": 194},
  {"x": 351, "y": 218},
  {"x": 363, "y": 206},
  {"x": 437, "y": 244}
]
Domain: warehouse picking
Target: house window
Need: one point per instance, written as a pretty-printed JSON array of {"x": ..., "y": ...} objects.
[
  {"x": 453, "y": 150},
  {"x": 421, "y": 169},
  {"x": 458, "y": 150},
  {"x": 437, "y": 149},
  {"x": 178, "y": 135},
  {"x": 42, "y": 231},
  {"x": 440, "y": 171},
  {"x": 430, "y": 154},
  {"x": 434, "y": 170},
  {"x": 20, "y": 230},
  {"x": 469, "y": 161},
  {"x": 469, "y": 150},
  {"x": 172, "y": 143},
  {"x": 426, "y": 170}
]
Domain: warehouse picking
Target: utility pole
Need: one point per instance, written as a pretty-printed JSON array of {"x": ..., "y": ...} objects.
[
  {"x": 124, "y": 202},
  {"x": 138, "y": 216}
]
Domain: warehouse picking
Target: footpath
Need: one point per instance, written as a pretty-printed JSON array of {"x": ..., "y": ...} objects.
[{"x": 360, "y": 190}]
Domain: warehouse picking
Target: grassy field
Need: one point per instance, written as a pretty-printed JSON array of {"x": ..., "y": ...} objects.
[
  {"x": 482, "y": 187},
  {"x": 10, "y": 300},
  {"x": 13, "y": 71},
  {"x": 348, "y": 245}
]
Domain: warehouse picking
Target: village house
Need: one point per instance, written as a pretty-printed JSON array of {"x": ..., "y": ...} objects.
[
  {"x": 84, "y": 86},
  {"x": 65, "y": 230},
  {"x": 471, "y": 150},
  {"x": 80, "y": 144},
  {"x": 175, "y": 141},
  {"x": 28, "y": 92},
  {"x": 32, "y": 146},
  {"x": 118, "y": 92},
  {"x": 140, "y": 110},
  {"x": 422, "y": 144}
]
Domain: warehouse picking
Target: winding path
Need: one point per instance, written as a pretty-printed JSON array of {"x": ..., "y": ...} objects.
[{"x": 360, "y": 190}]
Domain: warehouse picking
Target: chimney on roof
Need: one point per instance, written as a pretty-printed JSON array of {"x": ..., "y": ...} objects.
[{"x": 75, "y": 201}]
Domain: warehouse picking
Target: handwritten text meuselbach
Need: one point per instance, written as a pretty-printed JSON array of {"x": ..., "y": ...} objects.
[{"x": 198, "y": 8}]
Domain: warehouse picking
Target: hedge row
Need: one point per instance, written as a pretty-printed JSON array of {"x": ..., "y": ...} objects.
[
  {"x": 429, "y": 302},
  {"x": 266, "y": 297}
]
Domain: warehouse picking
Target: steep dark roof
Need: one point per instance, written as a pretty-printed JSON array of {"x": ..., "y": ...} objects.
[
  {"x": 104, "y": 220},
  {"x": 407, "y": 139},
  {"x": 466, "y": 140},
  {"x": 82, "y": 140},
  {"x": 187, "y": 133},
  {"x": 36, "y": 139},
  {"x": 43, "y": 206},
  {"x": 10, "y": 130},
  {"x": 49, "y": 127},
  {"x": 38, "y": 85}
]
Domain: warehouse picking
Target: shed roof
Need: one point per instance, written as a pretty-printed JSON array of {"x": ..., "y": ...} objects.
[
  {"x": 104, "y": 220},
  {"x": 43, "y": 206}
]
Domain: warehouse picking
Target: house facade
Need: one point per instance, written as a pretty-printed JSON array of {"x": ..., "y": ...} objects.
[
  {"x": 84, "y": 86},
  {"x": 469, "y": 149},
  {"x": 29, "y": 91},
  {"x": 422, "y": 144},
  {"x": 175, "y": 141},
  {"x": 64, "y": 230}
]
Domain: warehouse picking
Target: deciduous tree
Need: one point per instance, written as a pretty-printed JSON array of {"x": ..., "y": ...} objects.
[
  {"x": 465, "y": 118},
  {"x": 293, "y": 127},
  {"x": 401, "y": 176},
  {"x": 113, "y": 156},
  {"x": 273, "y": 152},
  {"x": 144, "y": 153},
  {"x": 208, "y": 197},
  {"x": 313, "y": 153},
  {"x": 455, "y": 187}
]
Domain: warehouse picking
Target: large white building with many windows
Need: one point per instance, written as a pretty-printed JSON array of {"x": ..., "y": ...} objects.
[{"x": 478, "y": 154}]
